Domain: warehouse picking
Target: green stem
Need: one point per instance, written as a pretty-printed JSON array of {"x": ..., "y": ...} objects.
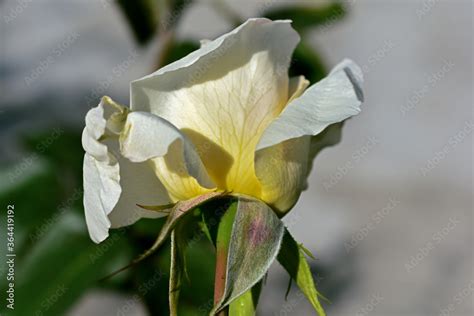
[
  {"x": 176, "y": 270},
  {"x": 224, "y": 233}
]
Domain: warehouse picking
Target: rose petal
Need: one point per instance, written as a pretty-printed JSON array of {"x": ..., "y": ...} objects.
[
  {"x": 333, "y": 99},
  {"x": 113, "y": 185},
  {"x": 223, "y": 95},
  {"x": 173, "y": 157}
]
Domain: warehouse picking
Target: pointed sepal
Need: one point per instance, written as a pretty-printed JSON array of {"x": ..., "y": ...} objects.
[
  {"x": 176, "y": 213},
  {"x": 254, "y": 243},
  {"x": 292, "y": 258}
]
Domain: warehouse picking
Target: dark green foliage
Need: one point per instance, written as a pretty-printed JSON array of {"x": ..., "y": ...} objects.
[
  {"x": 178, "y": 50},
  {"x": 292, "y": 258},
  {"x": 306, "y": 62},
  {"x": 142, "y": 15},
  {"x": 309, "y": 16}
]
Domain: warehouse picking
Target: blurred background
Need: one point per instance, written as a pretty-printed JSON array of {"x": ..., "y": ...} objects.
[{"x": 388, "y": 212}]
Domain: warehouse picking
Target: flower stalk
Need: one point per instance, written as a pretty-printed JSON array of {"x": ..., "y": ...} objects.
[{"x": 224, "y": 234}]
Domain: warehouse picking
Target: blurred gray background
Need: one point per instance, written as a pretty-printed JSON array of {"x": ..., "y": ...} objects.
[{"x": 388, "y": 211}]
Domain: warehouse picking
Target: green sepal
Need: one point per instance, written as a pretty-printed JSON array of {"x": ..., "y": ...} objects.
[
  {"x": 292, "y": 258},
  {"x": 177, "y": 212},
  {"x": 254, "y": 243}
]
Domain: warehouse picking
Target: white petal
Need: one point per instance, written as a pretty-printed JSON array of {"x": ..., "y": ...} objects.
[
  {"x": 333, "y": 99},
  {"x": 113, "y": 185},
  {"x": 147, "y": 136},
  {"x": 281, "y": 169},
  {"x": 101, "y": 193},
  {"x": 94, "y": 130},
  {"x": 139, "y": 186},
  {"x": 224, "y": 95},
  {"x": 200, "y": 63},
  {"x": 297, "y": 86}
]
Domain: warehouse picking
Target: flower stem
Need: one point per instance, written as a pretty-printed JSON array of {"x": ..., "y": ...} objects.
[{"x": 224, "y": 233}]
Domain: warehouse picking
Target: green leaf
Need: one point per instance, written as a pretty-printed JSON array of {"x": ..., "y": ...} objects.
[
  {"x": 142, "y": 15},
  {"x": 61, "y": 146},
  {"x": 178, "y": 50},
  {"x": 147, "y": 227},
  {"x": 54, "y": 273},
  {"x": 177, "y": 212},
  {"x": 308, "y": 63},
  {"x": 146, "y": 17},
  {"x": 200, "y": 258},
  {"x": 33, "y": 188},
  {"x": 212, "y": 214},
  {"x": 292, "y": 258},
  {"x": 254, "y": 243},
  {"x": 306, "y": 17},
  {"x": 31, "y": 183}
]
